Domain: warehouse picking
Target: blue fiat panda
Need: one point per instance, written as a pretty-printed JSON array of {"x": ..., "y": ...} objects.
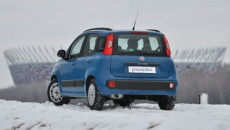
[{"x": 120, "y": 65}]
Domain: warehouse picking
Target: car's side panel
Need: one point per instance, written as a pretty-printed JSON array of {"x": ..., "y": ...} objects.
[
  {"x": 99, "y": 65},
  {"x": 56, "y": 73},
  {"x": 67, "y": 77},
  {"x": 56, "y": 70}
]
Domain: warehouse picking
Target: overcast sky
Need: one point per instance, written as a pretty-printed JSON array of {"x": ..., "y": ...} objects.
[{"x": 187, "y": 24}]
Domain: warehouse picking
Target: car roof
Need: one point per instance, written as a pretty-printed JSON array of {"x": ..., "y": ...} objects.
[{"x": 105, "y": 31}]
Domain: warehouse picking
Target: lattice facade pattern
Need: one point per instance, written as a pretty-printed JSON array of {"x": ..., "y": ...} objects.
[{"x": 28, "y": 64}]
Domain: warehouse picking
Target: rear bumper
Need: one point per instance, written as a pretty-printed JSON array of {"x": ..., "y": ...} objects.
[{"x": 140, "y": 85}]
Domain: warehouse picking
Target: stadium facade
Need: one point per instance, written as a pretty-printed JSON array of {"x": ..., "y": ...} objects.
[
  {"x": 29, "y": 64},
  {"x": 201, "y": 59}
]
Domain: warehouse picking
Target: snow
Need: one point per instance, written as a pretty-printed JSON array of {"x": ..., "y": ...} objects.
[{"x": 43, "y": 116}]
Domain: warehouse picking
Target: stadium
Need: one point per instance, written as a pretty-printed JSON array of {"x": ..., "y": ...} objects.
[
  {"x": 29, "y": 64},
  {"x": 199, "y": 70}
]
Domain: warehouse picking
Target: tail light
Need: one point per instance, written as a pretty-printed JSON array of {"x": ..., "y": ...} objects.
[
  {"x": 111, "y": 84},
  {"x": 168, "y": 51},
  {"x": 171, "y": 85},
  {"x": 108, "y": 45}
]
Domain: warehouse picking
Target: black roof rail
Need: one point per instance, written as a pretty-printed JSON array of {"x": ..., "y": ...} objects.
[
  {"x": 102, "y": 28},
  {"x": 155, "y": 30}
]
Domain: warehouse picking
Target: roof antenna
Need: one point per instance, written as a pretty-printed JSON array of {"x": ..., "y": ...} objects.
[{"x": 135, "y": 21}]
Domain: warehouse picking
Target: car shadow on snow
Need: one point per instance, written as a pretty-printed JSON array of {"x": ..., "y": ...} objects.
[
  {"x": 83, "y": 106},
  {"x": 109, "y": 105}
]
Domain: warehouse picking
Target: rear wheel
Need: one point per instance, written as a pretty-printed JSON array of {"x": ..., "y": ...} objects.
[
  {"x": 54, "y": 94},
  {"x": 123, "y": 102},
  {"x": 166, "y": 102},
  {"x": 94, "y": 98}
]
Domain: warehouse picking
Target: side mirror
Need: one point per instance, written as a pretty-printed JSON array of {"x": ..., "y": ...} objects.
[{"x": 61, "y": 53}]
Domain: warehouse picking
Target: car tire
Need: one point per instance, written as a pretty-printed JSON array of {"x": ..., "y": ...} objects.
[
  {"x": 94, "y": 98},
  {"x": 54, "y": 94},
  {"x": 166, "y": 102},
  {"x": 123, "y": 102}
]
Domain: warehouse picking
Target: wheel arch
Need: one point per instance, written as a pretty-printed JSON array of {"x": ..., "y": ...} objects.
[
  {"x": 89, "y": 78},
  {"x": 53, "y": 77}
]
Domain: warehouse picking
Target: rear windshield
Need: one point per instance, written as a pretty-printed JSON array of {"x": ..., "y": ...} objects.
[{"x": 139, "y": 45}]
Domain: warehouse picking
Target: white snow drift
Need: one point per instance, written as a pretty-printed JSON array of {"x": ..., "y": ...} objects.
[{"x": 36, "y": 116}]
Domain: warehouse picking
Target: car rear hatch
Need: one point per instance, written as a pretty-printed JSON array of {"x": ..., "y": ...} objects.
[{"x": 141, "y": 55}]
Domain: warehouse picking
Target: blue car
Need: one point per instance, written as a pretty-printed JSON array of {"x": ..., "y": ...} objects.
[{"x": 119, "y": 65}]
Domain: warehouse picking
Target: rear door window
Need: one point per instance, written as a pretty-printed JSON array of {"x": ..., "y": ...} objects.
[
  {"x": 139, "y": 45},
  {"x": 90, "y": 45}
]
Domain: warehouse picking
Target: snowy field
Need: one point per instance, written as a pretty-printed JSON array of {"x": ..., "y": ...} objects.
[{"x": 35, "y": 116}]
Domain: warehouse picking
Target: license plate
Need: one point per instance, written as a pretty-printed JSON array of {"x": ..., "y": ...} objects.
[{"x": 141, "y": 69}]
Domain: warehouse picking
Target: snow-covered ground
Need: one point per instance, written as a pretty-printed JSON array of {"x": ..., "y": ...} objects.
[{"x": 36, "y": 116}]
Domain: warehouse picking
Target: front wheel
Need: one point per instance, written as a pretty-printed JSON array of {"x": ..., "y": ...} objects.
[
  {"x": 94, "y": 98},
  {"x": 54, "y": 94},
  {"x": 166, "y": 102}
]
